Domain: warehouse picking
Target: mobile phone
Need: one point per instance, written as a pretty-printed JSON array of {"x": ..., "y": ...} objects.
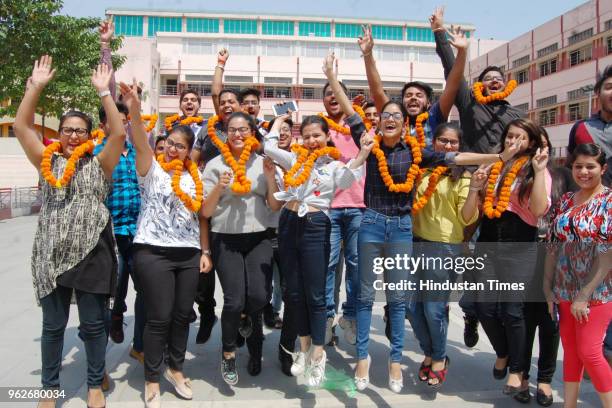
[
  {"x": 282, "y": 108},
  {"x": 555, "y": 314}
]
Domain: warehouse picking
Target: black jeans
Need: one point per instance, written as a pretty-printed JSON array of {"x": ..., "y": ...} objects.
[
  {"x": 92, "y": 315},
  {"x": 304, "y": 247},
  {"x": 244, "y": 266},
  {"x": 169, "y": 277},
  {"x": 510, "y": 256}
]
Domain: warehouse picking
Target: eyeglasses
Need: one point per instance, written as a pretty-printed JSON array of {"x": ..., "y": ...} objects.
[
  {"x": 493, "y": 78},
  {"x": 68, "y": 131},
  {"x": 329, "y": 93},
  {"x": 177, "y": 146},
  {"x": 242, "y": 130},
  {"x": 394, "y": 115},
  {"x": 444, "y": 141},
  {"x": 250, "y": 103}
]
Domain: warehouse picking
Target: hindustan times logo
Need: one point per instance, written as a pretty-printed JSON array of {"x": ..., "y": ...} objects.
[{"x": 459, "y": 264}]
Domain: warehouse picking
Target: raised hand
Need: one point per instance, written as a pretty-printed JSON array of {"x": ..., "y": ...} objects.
[
  {"x": 224, "y": 180},
  {"x": 436, "y": 20},
  {"x": 106, "y": 30},
  {"x": 511, "y": 150},
  {"x": 359, "y": 100},
  {"x": 328, "y": 64},
  {"x": 367, "y": 143},
  {"x": 480, "y": 176},
  {"x": 366, "y": 42},
  {"x": 101, "y": 77},
  {"x": 457, "y": 38},
  {"x": 42, "y": 73},
  {"x": 540, "y": 160},
  {"x": 129, "y": 95},
  {"x": 222, "y": 56}
]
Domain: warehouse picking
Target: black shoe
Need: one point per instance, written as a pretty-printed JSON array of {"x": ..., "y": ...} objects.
[
  {"x": 228, "y": 370},
  {"x": 254, "y": 366},
  {"x": 511, "y": 390},
  {"x": 543, "y": 399},
  {"x": 246, "y": 327},
  {"x": 523, "y": 396},
  {"x": 286, "y": 361},
  {"x": 470, "y": 330},
  {"x": 334, "y": 338},
  {"x": 268, "y": 316},
  {"x": 206, "y": 325},
  {"x": 116, "y": 329},
  {"x": 500, "y": 374},
  {"x": 192, "y": 316}
]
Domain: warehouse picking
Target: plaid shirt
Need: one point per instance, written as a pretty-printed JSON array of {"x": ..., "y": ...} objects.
[
  {"x": 377, "y": 196},
  {"x": 123, "y": 201}
]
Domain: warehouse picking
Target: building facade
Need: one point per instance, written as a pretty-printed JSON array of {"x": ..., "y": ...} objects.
[{"x": 556, "y": 65}]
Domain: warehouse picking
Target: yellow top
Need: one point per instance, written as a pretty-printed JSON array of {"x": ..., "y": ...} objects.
[{"x": 440, "y": 219}]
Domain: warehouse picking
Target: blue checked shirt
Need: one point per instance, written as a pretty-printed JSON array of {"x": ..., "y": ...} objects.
[{"x": 123, "y": 201}]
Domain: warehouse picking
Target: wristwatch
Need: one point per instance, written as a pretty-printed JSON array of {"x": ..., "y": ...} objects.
[
  {"x": 206, "y": 252},
  {"x": 104, "y": 93}
]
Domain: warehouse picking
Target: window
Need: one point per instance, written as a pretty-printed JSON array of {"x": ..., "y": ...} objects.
[
  {"x": 277, "y": 92},
  {"x": 11, "y": 132},
  {"x": 523, "y": 106},
  {"x": 197, "y": 47},
  {"x": 241, "y": 47},
  {"x": 609, "y": 43},
  {"x": 521, "y": 61},
  {"x": 548, "y": 50},
  {"x": 522, "y": 76},
  {"x": 197, "y": 78},
  {"x": 164, "y": 24},
  {"x": 348, "y": 51},
  {"x": 583, "y": 35},
  {"x": 381, "y": 32},
  {"x": 277, "y": 49},
  {"x": 202, "y": 89},
  {"x": 240, "y": 26},
  {"x": 202, "y": 25},
  {"x": 239, "y": 78},
  {"x": 308, "y": 93},
  {"x": 390, "y": 53},
  {"x": 348, "y": 30},
  {"x": 549, "y": 100},
  {"x": 269, "y": 27},
  {"x": 130, "y": 26},
  {"x": 314, "y": 29},
  {"x": 575, "y": 94},
  {"x": 577, "y": 111},
  {"x": 420, "y": 34},
  {"x": 316, "y": 50},
  {"x": 548, "y": 67},
  {"x": 353, "y": 93},
  {"x": 278, "y": 80},
  {"x": 581, "y": 55},
  {"x": 428, "y": 55},
  {"x": 314, "y": 81},
  {"x": 548, "y": 117},
  {"x": 608, "y": 25}
]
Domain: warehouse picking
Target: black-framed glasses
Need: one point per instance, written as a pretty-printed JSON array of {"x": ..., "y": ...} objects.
[
  {"x": 394, "y": 115},
  {"x": 444, "y": 141},
  {"x": 493, "y": 78},
  {"x": 177, "y": 146},
  {"x": 68, "y": 131},
  {"x": 241, "y": 130}
]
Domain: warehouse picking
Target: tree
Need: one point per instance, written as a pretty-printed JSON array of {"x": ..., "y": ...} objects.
[{"x": 31, "y": 28}]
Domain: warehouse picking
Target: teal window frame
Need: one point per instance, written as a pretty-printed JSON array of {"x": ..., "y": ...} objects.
[
  {"x": 129, "y": 26},
  {"x": 319, "y": 28},
  {"x": 164, "y": 25},
  {"x": 274, "y": 27},
  {"x": 235, "y": 26},
  {"x": 202, "y": 25}
]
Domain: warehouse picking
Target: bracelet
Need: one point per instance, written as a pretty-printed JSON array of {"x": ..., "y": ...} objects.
[
  {"x": 222, "y": 67},
  {"x": 500, "y": 158},
  {"x": 366, "y": 55},
  {"x": 474, "y": 189},
  {"x": 206, "y": 252},
  {"x": 104, "y": 93}
]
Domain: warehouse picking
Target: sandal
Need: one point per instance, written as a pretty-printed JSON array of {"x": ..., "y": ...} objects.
[
  {"x": 424, "y": 372},
  {"x": 438, "y": 375}
]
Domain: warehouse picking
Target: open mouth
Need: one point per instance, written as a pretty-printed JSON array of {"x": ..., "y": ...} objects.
[
  {"x": 495, "y": 88},
  {"x": 228, "y": 110},
  {"x": 390, "y": 127},
  {"x": 189, "y": 109}
]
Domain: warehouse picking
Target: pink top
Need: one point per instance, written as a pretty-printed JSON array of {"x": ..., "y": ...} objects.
[
  {"x": 352, "y": 196},
  {"x": 522, "y": 208}
]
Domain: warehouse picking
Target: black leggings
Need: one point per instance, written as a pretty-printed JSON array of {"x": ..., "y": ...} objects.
[
  {"x": 244, "y": 266},
  {"x": 168, "y": 278}
]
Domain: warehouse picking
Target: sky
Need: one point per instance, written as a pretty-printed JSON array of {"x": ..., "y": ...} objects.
[{"x": 499, "y": 20}]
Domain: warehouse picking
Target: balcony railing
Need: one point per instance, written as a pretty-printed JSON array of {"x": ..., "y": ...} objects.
[{"x": 169, "y": 90}]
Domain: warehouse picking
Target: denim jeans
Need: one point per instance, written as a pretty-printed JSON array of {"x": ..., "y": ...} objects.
[
  {"x": 277, "y": 290},
  {"x": 345, "y": 224},
  {"x": 428, "y": 314},
  {"x": 92, "y": 315},
  {"x": 382, "y": 236}
]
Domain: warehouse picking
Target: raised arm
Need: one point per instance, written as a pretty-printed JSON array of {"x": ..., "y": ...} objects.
[
  {"x": 377, "y": 92},
  {"x": 144, "y": 153},
  {"x": 455, "y": 77},
  {"x": 539, "y": 199},
  {"x": 107, "y": 30},
  {"x": 343, "y": 100},
  {"x": 280, "y": 156},
  {"x": 217, "y": 82},
  {"x": 24, "y": 121}
]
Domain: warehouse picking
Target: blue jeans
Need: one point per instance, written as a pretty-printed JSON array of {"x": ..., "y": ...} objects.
[
  {"x": 92, "y": 316},
  {"x": 382, "y": 236},
  {"x": 428, "y": 314},
  {"x": 345, "y": 224}
]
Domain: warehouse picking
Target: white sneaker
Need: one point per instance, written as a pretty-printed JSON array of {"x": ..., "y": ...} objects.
[
  {"x": 316, "y": 372},
  {"x": 396, "y": 385},
  {"x": 350, "y": 330},
  {"x": 328, "y": 329},
  {"x": 299, "y": 363},
  {"x": 362, "y": 382}
]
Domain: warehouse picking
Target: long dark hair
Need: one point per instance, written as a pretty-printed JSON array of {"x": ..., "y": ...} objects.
[
  {"x": 316, "y": 120},
  {"x": 534, "y": 143}
]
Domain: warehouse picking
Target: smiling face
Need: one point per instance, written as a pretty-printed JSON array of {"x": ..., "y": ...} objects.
[
  {"x": 238, "y": 130},
  {"x": 372, "y": 115},
  {"x": 228, "y": 104},
  {"x": 493, "y": 81},
  {"x": 605, "y": 97},
  {"x": 415, "y": 101},
  {"x": 392, "y": 121},
  {"x": 159, "y": 147},
  {"x": 176, "y": 147},
  {"x": 587, "y": 172},
  {"x": 332, "y": 107},
  {"x": 250, "y": 105},
  {"x": 285, "y": 138},
  {"x": 190, "y": 105},
  {"x": 515, "y": 133},
  {"x": 314, "y": 137},
  {"x": 446, "y": 142},
  {"x": 73, "y": 133}
]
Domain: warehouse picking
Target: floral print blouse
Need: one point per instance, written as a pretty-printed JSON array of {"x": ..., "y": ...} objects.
[{"x": 579, "y": 233}]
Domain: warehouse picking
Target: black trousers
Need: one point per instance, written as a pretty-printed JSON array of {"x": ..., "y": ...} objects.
[
  {"x": 168, "y": 278},
  {"x": 244, "y": 266},
  {"x": 536, "y": 315}
]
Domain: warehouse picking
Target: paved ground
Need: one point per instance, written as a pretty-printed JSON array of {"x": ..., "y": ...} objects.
[{"x": 470, "y": 383}]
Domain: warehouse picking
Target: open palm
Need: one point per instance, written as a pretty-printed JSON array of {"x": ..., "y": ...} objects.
[
  {"x": 101, "y": 77},
  {"x": 457, "y": 38},
  {"x": 42, "y": 72}
]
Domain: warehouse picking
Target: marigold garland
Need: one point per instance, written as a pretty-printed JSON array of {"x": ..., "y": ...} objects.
[
  {"x": 169, "y": 121},
  {"x": 478, "y": 87},
  {"x": 177, "y": 165},
  {"x": 241, "y": 184},
  {"x": 413, "y": 171},
  {"x": 343, "y": 129},
  {"x": 418, "y": 127},
  {"x": 495, "y": 211},
  {"x": 77, "y": 154},
  {"x": 434, "y": 178},
  {"x": 306, "y": 161},
  {"x": 98, "y": 134}
]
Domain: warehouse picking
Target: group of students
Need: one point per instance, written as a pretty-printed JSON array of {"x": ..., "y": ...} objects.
[{"x": 389, "y": 178}]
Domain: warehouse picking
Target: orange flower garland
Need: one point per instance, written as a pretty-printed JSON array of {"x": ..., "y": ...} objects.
[
  {"x": 435, "y": 176},
  {"x": 496, "y": 211},
  {"x": 152, "y": 119},
  {"x": 98, "y": 134},
  {"x": 413, "y": 171},
  {"x": 343, "y": 129},
  {"x": 241, "y": 184},
  {"x": 169, "y": 121},
  {"x": 45, "y": 164},
  {"x": 193, "y": 205},
  {"x": 306, "y": 161},
  {"x": 418, "y": 126},
  {"x": 478, "y": 87}
]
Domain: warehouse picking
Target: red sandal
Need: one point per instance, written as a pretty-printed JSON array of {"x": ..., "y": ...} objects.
[
  {"x": 424, "y": 372},
  {"x": 438, "y": 375}
]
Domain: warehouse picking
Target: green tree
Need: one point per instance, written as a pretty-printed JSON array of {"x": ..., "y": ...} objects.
[{"x": 31, "y": 28}]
